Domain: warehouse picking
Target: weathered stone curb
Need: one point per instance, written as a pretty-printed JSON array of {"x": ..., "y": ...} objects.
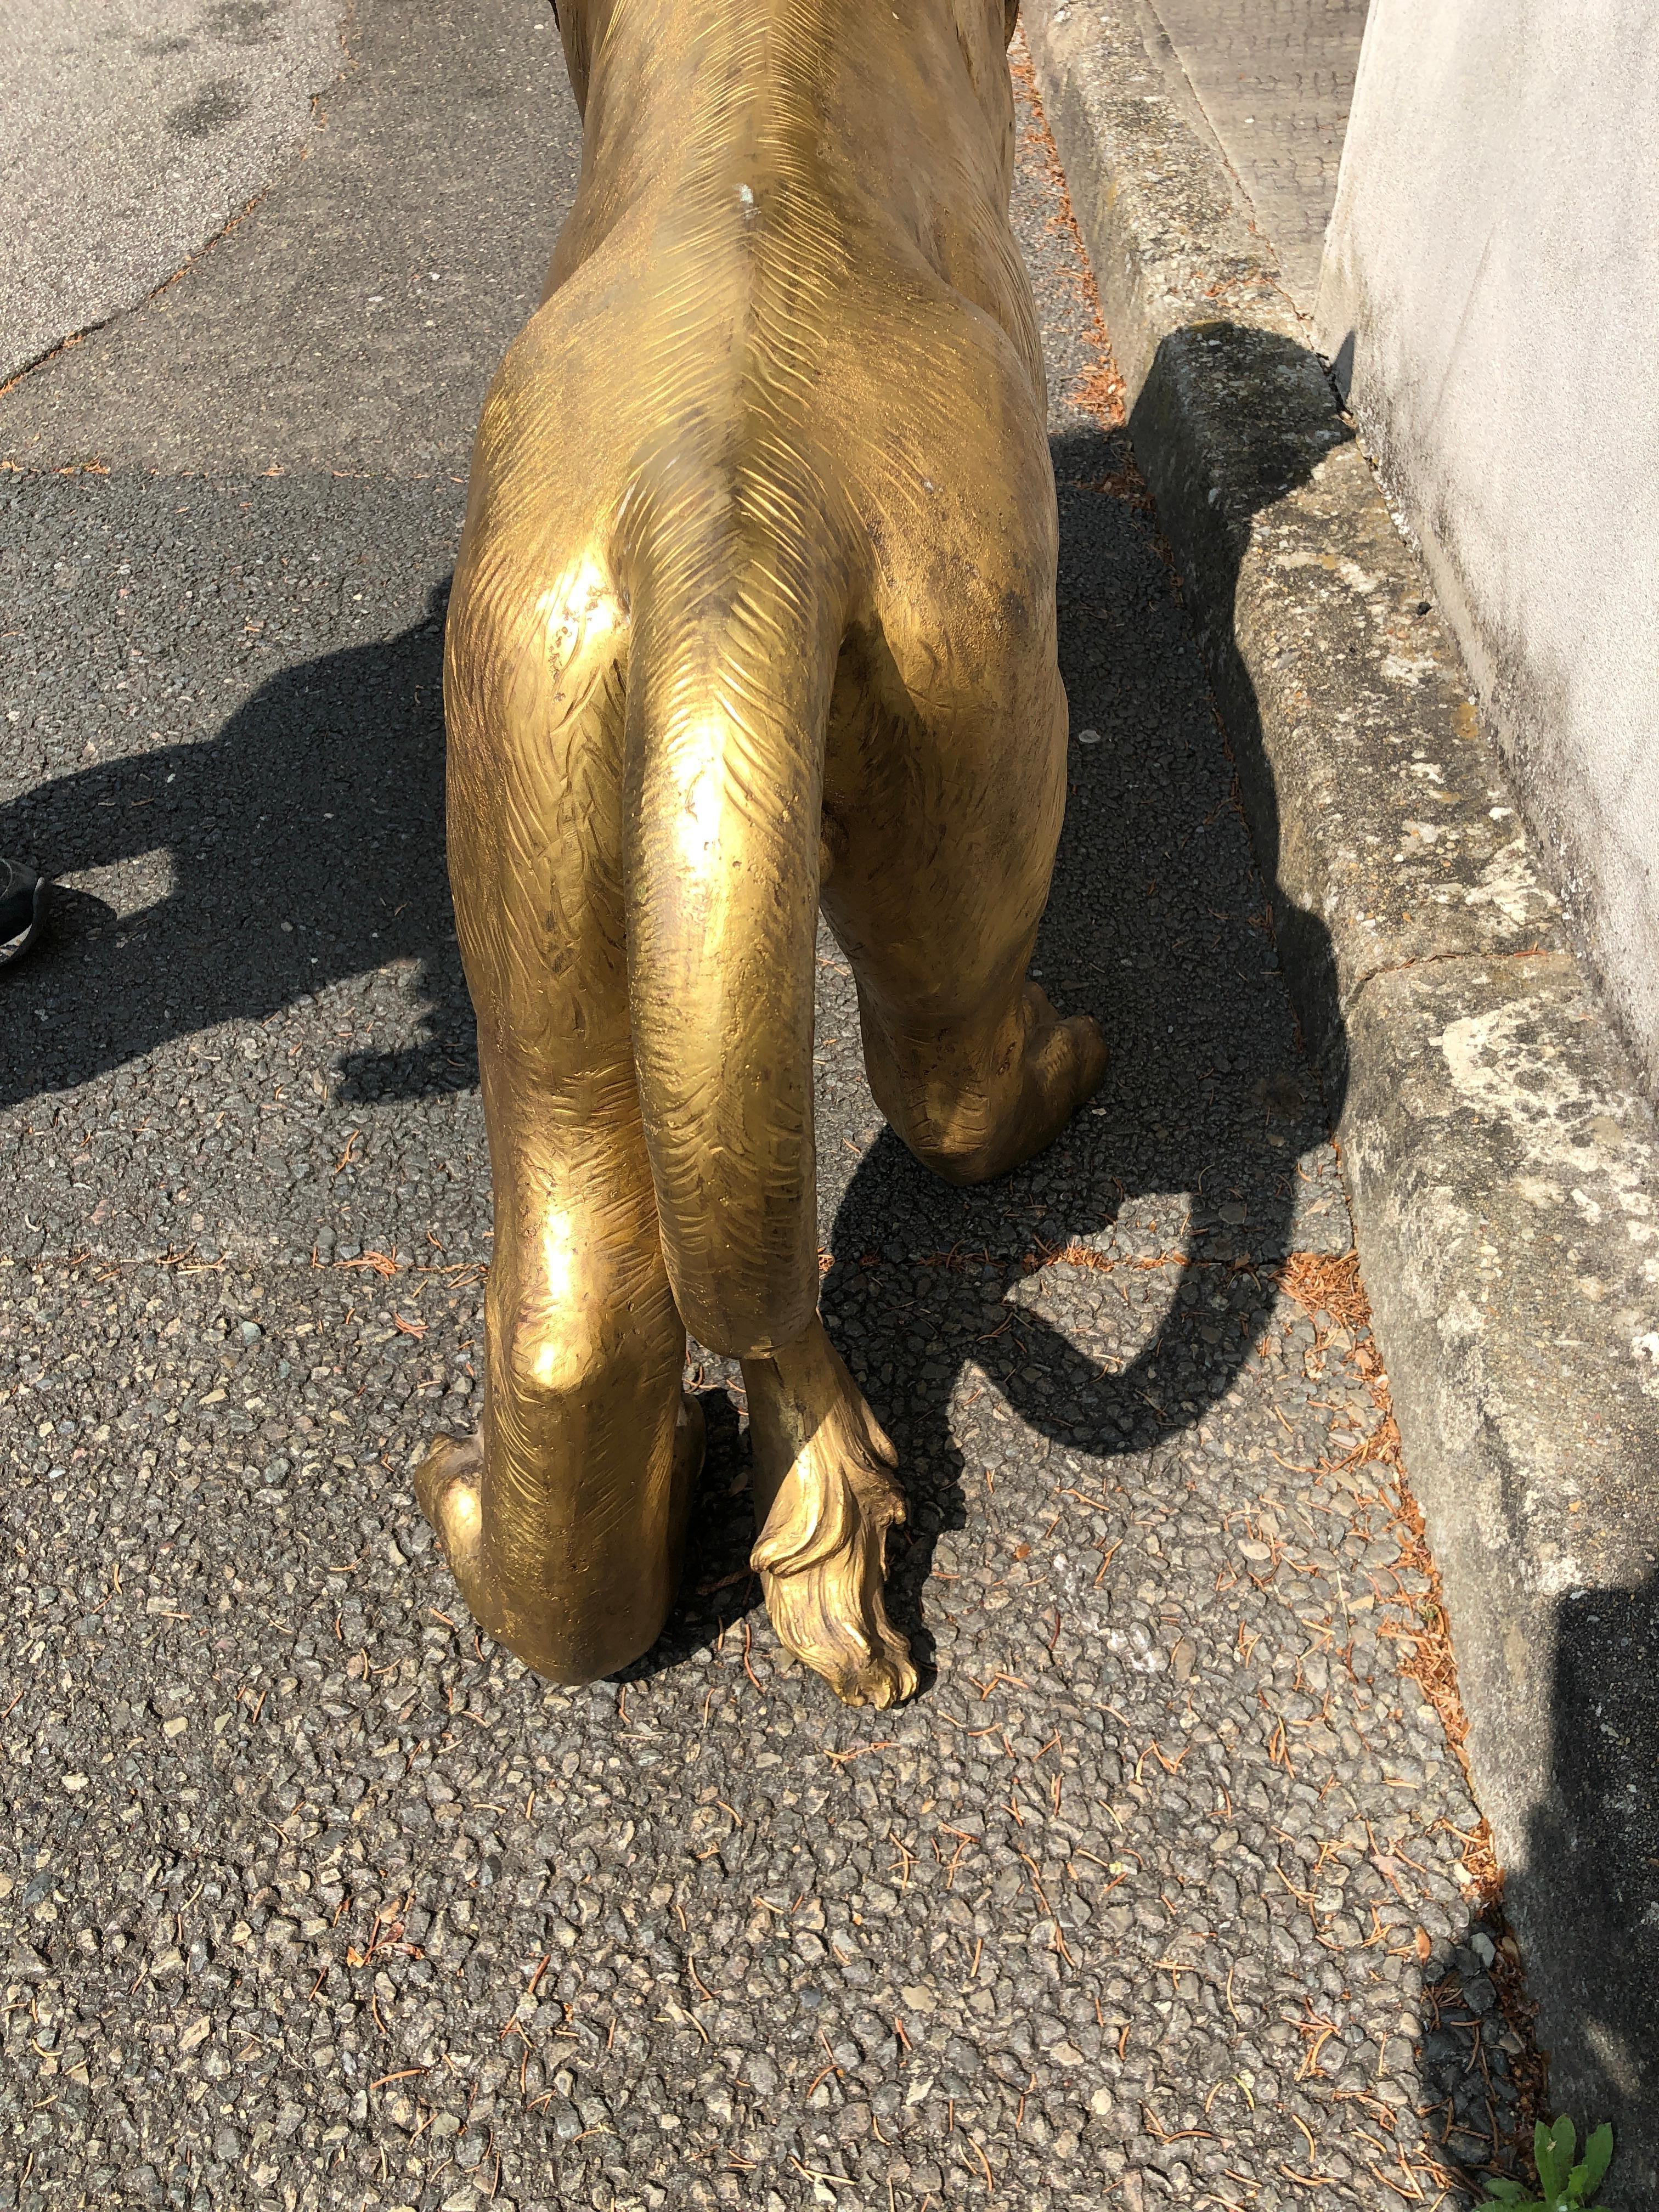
[{"x": 1503, "y": 1168}]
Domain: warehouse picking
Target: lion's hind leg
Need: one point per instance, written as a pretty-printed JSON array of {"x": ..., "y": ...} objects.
[{"x": 564, "y": 1520}]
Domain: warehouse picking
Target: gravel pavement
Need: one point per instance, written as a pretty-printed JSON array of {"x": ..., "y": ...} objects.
[
  {"x": 1160, "y": 1889},
  {"x": 132, "y": 131}
]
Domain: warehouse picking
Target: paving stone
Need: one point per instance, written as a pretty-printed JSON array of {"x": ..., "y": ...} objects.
[{"x": 1274, "y": 80}]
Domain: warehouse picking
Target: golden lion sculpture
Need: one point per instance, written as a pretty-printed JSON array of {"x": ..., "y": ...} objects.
[{"x": 753, "y": 614}]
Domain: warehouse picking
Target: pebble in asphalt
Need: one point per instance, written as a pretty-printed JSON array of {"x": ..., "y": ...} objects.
[{"x": 307, "y": 1898}]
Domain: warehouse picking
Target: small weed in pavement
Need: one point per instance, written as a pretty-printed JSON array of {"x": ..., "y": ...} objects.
[{"x": 1563, "y": 2186}]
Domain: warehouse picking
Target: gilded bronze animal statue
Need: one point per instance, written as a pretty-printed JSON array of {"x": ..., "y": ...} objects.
[{"x": 753, "y": 616}]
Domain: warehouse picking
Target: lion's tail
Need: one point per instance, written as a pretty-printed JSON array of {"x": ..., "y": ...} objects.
[{"x": 736, "y": 613}]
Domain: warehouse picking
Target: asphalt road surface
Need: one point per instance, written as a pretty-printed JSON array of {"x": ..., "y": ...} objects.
[
  {"x": 130, "y": 132},
  {"x": 1159, "y": 1892}
]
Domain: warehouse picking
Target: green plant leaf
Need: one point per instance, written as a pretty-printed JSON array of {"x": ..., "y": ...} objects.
[
  {"x": 1507, "y": 2192},
  {"x": 1598, "y": 2156},
  {"x": 1552, "y": 2151}
]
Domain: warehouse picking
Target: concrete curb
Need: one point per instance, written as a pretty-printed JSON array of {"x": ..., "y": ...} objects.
[{"x": 1502, "y": 1166}]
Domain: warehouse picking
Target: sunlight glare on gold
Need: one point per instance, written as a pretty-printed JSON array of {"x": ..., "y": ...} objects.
[
  {"x": 696, "y": 761},
  {"x": 579, "y": 612},
  {"x": 552, "y": 1363}
]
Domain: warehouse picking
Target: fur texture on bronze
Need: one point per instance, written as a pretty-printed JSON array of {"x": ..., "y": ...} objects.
[{"x": 754, "y": 613}]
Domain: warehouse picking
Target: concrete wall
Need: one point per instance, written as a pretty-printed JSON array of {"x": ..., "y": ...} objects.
[{"x": 1490, "y": 298}]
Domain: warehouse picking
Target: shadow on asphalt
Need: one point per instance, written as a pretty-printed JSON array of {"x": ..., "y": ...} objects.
[
  {"x": 1155, "y": 1131},
  {"x": 320, "y": 805},
  {"x": 1606, "y": 1933},
  {"x": 1604, "y": 1698}
]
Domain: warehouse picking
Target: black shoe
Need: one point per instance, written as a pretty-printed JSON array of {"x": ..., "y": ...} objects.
[{"x": 22, "y": 909}]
